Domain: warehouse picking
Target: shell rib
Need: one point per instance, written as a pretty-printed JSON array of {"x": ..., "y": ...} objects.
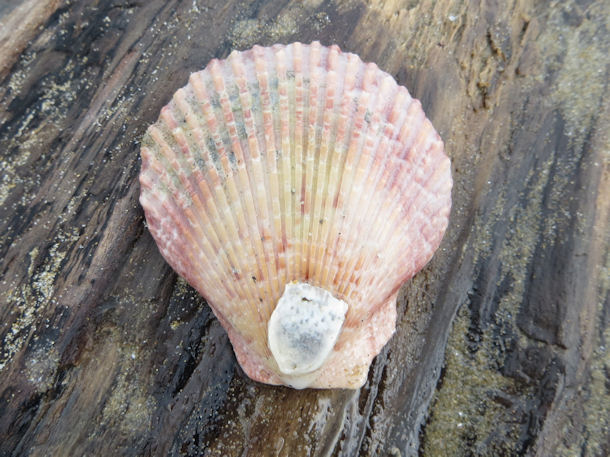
[{"x": 296, "y": 164}]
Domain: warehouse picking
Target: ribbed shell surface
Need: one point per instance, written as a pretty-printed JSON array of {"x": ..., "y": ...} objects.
[{"x": 296, "y": 163}]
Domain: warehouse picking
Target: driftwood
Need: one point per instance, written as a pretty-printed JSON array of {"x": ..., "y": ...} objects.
[{"x": 500, "y": 346}]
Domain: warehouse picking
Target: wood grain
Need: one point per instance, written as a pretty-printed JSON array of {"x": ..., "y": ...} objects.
[{"x": 501, "y": 340}]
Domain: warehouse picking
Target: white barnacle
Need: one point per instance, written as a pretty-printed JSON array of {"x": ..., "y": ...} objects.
[{"x": 304, "y": 328}]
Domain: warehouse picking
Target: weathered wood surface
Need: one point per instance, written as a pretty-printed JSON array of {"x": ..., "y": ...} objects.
[{"x": 104, "y": 351}]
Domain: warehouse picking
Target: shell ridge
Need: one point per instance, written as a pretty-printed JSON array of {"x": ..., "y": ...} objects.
[
  {"x": 356, "y": 218},
  {"x": 185, "y": 160},
  {"x": 345, "y": 126},
  {"x": 416, "y": 118},
  {"x": 426, "y": 210},
  {"x": 293, "y": 121},
  {"x": 195, "y": 155},
  {"x": 395, "y": 155},
  {"x": 325, "y": 142},
  {"x": 307, "y": 180},
  {"x": 266, "y": 120},
  {"x": 295, "y": 102},
  {"x": 301, "y": 100},
  {"x": 307, "y": 175},
  {"x": 242, "y": 189},
  {"x": 258, "y": 179},
  {"x": 317, "y": 149},
  {"x": 419, "y": 150},
  {"x": 381, "y": 233},
  {"x": 386, "y": 279},
  {"x": 314, "y": 153},
  {"x": 174, "y": 162},
  {"x": 400, "y": 232},
  {"x": 183, "y": 101},
  {"x": 327, "y": 166},
  {"x": 416, "y": 169},
  {"x": 158, "y": 225},
  {"x": 354, "y": 277},
  {"x": 309, "y": 110},
  {"x": 237, "y": 181},
  {"x": 230, "y": 240},
  {"x": 228, "y": 190},
  {"x": 345, "y": 247},
  {"x": 237, "y": 269},
  {"x": 356, "y": 142},
  {"x": 388, "y": 127},
  {"x": 278, "y": 60},
  {"x": 164, "y": 155},
  {"x": 378, "y": 181},
  {"x": 215, "y": 145},
  {"x": 182, "y": 260}
]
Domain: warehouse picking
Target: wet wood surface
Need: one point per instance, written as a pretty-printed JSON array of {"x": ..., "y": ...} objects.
[{"x": 501, "y": 340}]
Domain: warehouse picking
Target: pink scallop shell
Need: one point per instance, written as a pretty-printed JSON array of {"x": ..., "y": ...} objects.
[{"x": 296, "y": 163}]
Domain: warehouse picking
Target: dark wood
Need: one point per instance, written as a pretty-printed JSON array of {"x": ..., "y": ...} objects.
[{"x": 104, "y": 351}]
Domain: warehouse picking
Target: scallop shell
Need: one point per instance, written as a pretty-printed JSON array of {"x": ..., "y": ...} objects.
[{"x": 297, "y": 188}]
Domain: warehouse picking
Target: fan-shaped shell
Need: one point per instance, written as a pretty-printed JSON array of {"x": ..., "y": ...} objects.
[{"x": 296, "y": 164}]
